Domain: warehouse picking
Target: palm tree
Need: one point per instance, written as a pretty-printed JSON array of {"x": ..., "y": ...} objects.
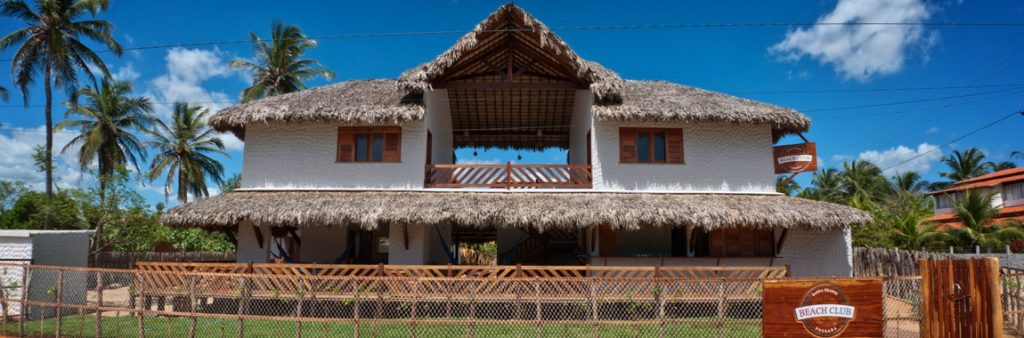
[
  {"x": 52, "y": 44},
  {"x": 979, "y": 227},
  {"x": 183, "y": 149},
  {"x": 997, "y": 166},
  {"x": 1017, "y": 153},
  {"x": 826, "y": 185},
  {"x": 279, "y": 67},
  {"x": 909, "y": 182},
  {"x": 964, "y": 165},
  {"x": 785, "y": 185},
  {"x": 106, "y": 123},
  {"x": 863, "y": 183}
]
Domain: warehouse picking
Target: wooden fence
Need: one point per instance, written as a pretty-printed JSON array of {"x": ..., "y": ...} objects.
[
  {"x": 126, "y": 260},
  {"x": 878, "y": 262}
]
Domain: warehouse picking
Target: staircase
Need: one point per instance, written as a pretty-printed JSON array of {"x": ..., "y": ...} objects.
[{"x": 556, "y": 246}]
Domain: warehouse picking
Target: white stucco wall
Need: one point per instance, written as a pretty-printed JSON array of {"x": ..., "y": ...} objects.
[
  {"x": 582, "y": 121},
  {"x": 439, "y": 122},
  {"x": 719, "y": 158},
  {"x": 248, "y": 249},
  {"x": 812, "y": 253},
  {"x": 42, "y": 247},
  {"x": 302, "y": 155}
]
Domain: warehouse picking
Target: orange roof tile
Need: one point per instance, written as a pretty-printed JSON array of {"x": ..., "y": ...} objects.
[{"x": 990, "y": 180}]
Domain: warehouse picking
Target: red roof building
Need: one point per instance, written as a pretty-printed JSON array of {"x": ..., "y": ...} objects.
[{"x": 1007, "y": 185}]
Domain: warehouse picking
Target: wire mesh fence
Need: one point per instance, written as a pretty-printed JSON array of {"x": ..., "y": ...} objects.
[{"x": 82, "y": 302}]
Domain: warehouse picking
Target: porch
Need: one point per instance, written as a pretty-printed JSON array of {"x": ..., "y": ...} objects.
[{"x": 509, "y": 176}]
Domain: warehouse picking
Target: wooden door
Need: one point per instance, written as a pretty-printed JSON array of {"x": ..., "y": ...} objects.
[{"x": 960, "y": 298}]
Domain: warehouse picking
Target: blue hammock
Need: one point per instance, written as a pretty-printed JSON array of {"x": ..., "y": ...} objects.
[
  {"x": 348, "y": 252},
  {"x": 447, "y": 251},
  {"x": 283, "y": 255}
]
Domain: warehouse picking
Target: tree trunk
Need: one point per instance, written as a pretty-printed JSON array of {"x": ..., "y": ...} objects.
[
  {"x": 182, "y": 182},
  {"x": 49, "y": 148}
]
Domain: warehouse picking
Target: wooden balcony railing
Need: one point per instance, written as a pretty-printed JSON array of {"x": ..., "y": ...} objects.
[{"x": 509, "y": 176}]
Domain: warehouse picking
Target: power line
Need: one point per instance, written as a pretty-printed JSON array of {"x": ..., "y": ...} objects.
[
  {"x": 961, "y": 137},
  {"x": 871, "y": 90},
  {"x": 583, "y": 28},
  {"x": 937, "y": 98}
]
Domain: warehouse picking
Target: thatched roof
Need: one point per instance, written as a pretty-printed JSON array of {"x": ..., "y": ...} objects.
[
  {"x": 540, "y": 210},
  {"x": 603, "y": 82},
  {"x": 349, "y": 102},
  {"x": 661, "y": 101}
]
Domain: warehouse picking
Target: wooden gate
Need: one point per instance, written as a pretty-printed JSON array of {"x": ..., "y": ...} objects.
[{"x": 960, "y": 298}]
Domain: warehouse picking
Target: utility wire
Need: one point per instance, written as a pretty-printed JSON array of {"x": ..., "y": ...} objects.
[
  {"x": 961, "y": 137},
  {"x": 583, "y": 28},
  {"x": 937, "y": 98}
]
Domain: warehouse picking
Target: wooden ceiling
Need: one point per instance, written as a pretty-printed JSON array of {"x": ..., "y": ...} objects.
[{"x": 511, "y": 91}]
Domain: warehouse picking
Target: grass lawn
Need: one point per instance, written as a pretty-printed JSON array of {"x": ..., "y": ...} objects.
[{"x": 84, "y": 326}]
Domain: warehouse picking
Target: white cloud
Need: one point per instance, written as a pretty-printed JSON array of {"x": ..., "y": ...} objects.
[
  {"x": 126, "y": 73},
  {"x": 187, "y": 70},
  {"x": 16, "y": 163},
  {"x": 895, "y": 156},
  {"x": 861, "y": 52},
  {"x": 932, "y": 130}
]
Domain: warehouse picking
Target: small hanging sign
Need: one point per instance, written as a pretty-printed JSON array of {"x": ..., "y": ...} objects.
[{"x": 795, "y": 158}]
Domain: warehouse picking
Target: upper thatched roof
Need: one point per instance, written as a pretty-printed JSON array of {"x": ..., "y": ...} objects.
[
  {"x": 603, "y": 82},
  {"x": 369, "y": 209},
  {"x": 349, "y": 102},
  {"x": 661, "y": 101}
]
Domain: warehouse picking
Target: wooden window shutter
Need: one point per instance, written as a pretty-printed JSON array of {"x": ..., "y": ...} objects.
[
  {"x": 393, "y": 146},
  {"x": 627, "y": 145},
  {"x": 674, "y": 145},
  {"x": 607, "y": 244},
  {"x": 346, "y": 146}
]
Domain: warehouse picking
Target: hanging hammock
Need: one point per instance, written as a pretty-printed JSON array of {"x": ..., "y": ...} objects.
[
  {"x": 348, "y": 252},
  {"x": 280, "y": 249},
  {"x": 447, "y": 251}
]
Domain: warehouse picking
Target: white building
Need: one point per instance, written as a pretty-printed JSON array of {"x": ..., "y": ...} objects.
[
  {"x": 655, "y": 172},
  {"x": 45, "y": 248}
]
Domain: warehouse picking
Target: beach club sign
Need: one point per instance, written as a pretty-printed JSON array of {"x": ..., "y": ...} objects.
[
  {"x": 823, "y": 308},
  {"x": 795, "y": 158}
]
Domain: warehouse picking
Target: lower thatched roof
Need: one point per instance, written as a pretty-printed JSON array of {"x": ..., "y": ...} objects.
[{"x": 540, "y": 210}]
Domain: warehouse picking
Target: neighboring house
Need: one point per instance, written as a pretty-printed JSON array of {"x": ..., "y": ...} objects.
[
  {"x": 656, "y": 172},
  {"x": 1006, "y": 187}
]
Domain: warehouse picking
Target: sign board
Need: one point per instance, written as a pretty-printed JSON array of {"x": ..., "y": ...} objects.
[
  {"x": 795, "y": 158},
  {"x": 823, "y": 308}
]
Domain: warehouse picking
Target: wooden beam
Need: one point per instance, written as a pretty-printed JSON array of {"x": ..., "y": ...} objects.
[
  {"x": 259, "y": 235},
  {"x": 405, "y": 235},
  {"x": 295, "y": 235},
  {"x": 782, "y": 240},
  {"x": 509, "y": 85}
]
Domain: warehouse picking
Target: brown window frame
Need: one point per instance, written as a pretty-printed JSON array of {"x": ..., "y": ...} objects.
[
  {"x": 650, "y": 132},
  {"x": 732, "y": 242},
  {"x": 350, "y": 134}
]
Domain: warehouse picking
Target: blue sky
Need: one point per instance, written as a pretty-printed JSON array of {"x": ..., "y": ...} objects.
[{"x": 762, "y": 63}]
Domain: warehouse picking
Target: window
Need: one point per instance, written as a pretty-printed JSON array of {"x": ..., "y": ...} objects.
[
  {"x": 1013, "y": 191},
  {"x": 369, "y": 144},
  {"x": 945, "y": 201},
  {"x": 651, "y": 145},
  {"x": 735, "y": 242}
]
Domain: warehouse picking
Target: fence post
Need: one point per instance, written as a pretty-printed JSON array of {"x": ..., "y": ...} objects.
[
  {"x": 58, "y": 294},
  {"x": 472, "y": 312},
  {"x": 191, "y": 306},
  {"x": 508, "y": 175},
  {"x": 243, "y": 303},
  {"x": 355, "y": 308},
  {"x": 25, "y": 271},
  {"x": 593, "y": 305},
  {"x": 415, "y": 300},
  {"x": 995, "y": 293},
  {"x": 659, "y": 298},
  {"x": 298, "y": 310},
  {"x": 536, "y": 296},
  {"x": 99, "y": 303},
  {"x": 140, "y": 305},
  {"x": 721, "y": 307}
]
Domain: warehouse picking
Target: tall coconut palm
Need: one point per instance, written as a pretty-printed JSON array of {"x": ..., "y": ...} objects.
[
  {"x": 279, "y": 67},
  {"x": 183, "y": 149},
  {"x": 964, "y": 165},
  {"x": 909, "y": 182},
  {"x": 1017, "y": 154},
  {"x": 53, "y": 44},
  {"x": 978, "y": 225},
  {"x": 107, "y": 123},
  {"x": 826, "y": 185},
  {"x": 786, "y": 186},
  {"x": 997, "y": 166},
  {"x": 863, "y": 183}
]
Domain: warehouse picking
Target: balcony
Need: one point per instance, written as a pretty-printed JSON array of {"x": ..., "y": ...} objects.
[{"x": 509, "y": 176}]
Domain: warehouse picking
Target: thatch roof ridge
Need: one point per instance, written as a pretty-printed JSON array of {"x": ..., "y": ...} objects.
[
  {"x": 355, "y": 101},
  {"x": 541, "y": 210},
  {"x": 663, "y": 101},
  {"x": 603, "y": 81}
]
